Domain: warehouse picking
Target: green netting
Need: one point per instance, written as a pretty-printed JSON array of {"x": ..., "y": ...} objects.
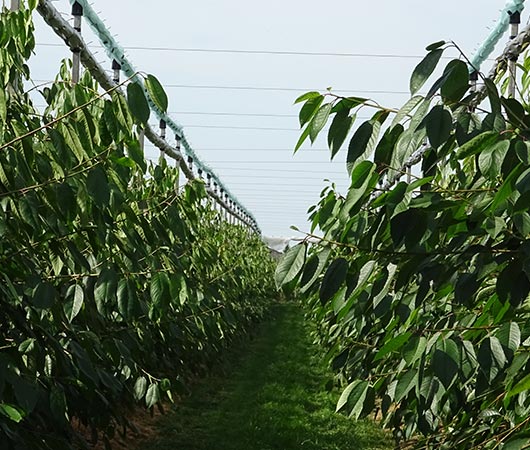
[
  {"x": 486, "y": 49},
  {"x": 117, "y": 53}
]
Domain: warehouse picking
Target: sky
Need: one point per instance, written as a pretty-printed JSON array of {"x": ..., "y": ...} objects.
[{"x": 236, "y": 106}]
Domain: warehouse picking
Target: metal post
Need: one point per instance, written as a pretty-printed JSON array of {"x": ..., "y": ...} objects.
[
  {"x": 515, "y": 20},
  {"x": 162, "y": 134},
  {"x": 77, "y": 12},
  {"x": 190, "y": 163},
  {"x": 473, "y": 78},
  {"x": 215, "y": 192},
  {"x": 141, "y": 138},
  {"x": 116, "y": 71},
  {"x": 223, "y": 210}
]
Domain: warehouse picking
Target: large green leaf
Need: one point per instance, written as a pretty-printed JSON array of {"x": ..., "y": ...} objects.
[
  {"x": 290, "y": 265},
  {"x": 156, "y": 92},
  {"x": 319, "y": 120},
  {"x": 392, "y": 345},
  {"x": 333, "y": 279},
  {"x": 424, "y": 70},
  {"x": 137, "y": 102},
  {"x": 152, "y": 396},
  {"x": 456, "y": 81},
  {"x": 359, "y": 142},
  {"x": 105, "y": 290},
  {"x": 309, "y": 109},
  {"x": 362, "y": 180},
  {"x": 98, "y": 186},
  {"x": 339, "y": 129},
  {"x": 11, "y": 412},
  {"x": 439, "y": 124},
  {"x": 44, "y": 295},
  {"x": 140, "y": 387},
  {"x": 445, "y": 361},
  {"x": 354, "y": 396}
]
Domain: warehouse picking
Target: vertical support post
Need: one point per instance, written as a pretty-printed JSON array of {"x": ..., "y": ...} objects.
[
  {"x": 190, "y": 163},
  {"x": 199, "y": 172},
  {"x": 215, "y": 192},
  {"x": 223, "y": 210},
  {"x": 473, "y": 78},
  {"x": 116, "y": 68},
  {"x": 141, "y": 138},
  {"x": 209, "y": 188},
  {"x": 15, "y": 5},
  {"x": 162, "y": 134},
  {"x": 77, "y": 12},
  {"x": 515, "y": 20}
]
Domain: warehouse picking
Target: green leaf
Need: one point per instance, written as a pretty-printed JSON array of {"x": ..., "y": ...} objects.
[
  {"x": 26, "y": 393},
  {"x": 156, "y": 93},
  {"x": 393, "y": 345},
  {"x": 98, "y": 186},
  {"x": 522, "y": 149},
  {"x": 424, "y": 70},
  {"x": 445, "y": 361},
  {"x": 359, "y": 142},
  {"x": 435, "y": 45},
  {"x": 159, "y": 288},
  {"x": 302, "y": 138},
  {"x": 318, "y": 122},
  {"x": 78, "y": 299},
  {"x": 509, "y": 336},
  {"x": 515, "y": 112},
  {"x": 309, "y": 109},
  {"x": 439, "y": 124},
  {"x": 406, "y": 109},
  {"x": 491, "y": 357},
  {"x": 354, "y": 395},
  {"x": 456, "y": 81},
  {"x": 339, "y": 129},
  {"x": 516, "y": 443},
  {"x": 290, "y": 265},
  {"x": 58, "y": 405},
  {"x": 363, "y": 180},
  {"x": 105, "y": 290},
  {"x": 307, "y": 96},
  {"x": 493, "y": 96},
  {"x": 44, "y": 295},
  {"x": 405, "y": 384},
  {"x": 333, "y": 278},
  {"x": 477, "y": 144},
  {"x": 11, "y": 412},
  {"x": 306, "y": 283},
  {"x": 384, "y": 150},
  {"x": 491, "y": 158},
  {"x": 506, "y": 190},
  {"x": 152, "y": 397},
  {"x": 140, "y": 388},
  {"x": 136, "y": 154},
  {"x": 3, "y": 107}
]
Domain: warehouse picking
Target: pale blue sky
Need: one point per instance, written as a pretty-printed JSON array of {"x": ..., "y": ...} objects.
[{"x": 257, "y": 164}]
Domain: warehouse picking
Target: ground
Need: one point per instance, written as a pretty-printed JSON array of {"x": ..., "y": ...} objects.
[{"x": 268, "y": 394}]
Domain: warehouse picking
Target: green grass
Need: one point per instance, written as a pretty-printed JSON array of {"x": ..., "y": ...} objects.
[{"x": 273, "y": 397}]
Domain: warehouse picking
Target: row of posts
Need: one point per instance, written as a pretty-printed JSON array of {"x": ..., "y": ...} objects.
[{"x": 228, "y": 209}]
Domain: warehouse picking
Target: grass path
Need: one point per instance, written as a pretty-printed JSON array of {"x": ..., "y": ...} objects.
[{"x": 272, "y": 397}]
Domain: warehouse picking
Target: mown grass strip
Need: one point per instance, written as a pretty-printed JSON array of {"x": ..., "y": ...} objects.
[{"x": 272, "y": 396}]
